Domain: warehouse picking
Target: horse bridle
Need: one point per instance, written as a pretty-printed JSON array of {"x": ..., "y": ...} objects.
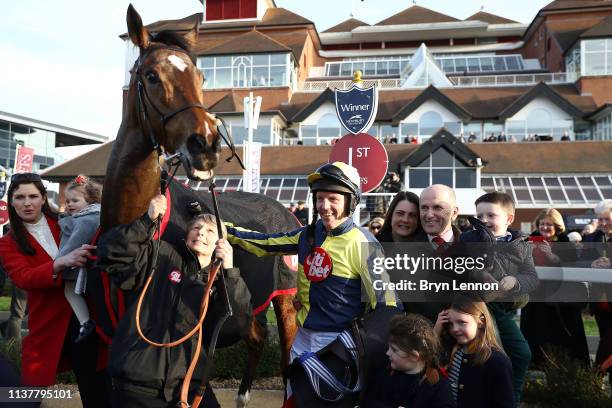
[
  {"x": 143, "y": 99},
  {"x": 174, "y": 161}
]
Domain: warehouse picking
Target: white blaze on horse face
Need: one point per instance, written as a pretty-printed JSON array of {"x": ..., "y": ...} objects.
[{"x": 177, "y": 62}]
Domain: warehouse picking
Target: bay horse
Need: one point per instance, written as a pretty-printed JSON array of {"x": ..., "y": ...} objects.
[{"x": 164, "y": 112}]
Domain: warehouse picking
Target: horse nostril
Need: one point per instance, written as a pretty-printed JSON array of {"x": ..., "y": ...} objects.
[{"x": 196, "y": 142}]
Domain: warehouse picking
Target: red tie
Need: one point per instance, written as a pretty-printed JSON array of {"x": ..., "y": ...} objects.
[{"x": 439, "y": 241}]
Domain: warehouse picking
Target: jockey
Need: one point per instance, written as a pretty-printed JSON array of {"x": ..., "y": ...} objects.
[{"x": 335, "y": 259}]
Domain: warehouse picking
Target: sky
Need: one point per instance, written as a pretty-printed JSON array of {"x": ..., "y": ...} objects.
[{"x": 62, "y": 61}]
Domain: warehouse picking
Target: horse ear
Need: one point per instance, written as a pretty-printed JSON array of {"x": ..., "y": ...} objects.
[
  {"x": 138, "y": 34},
  {"x": 192, "y": 36}
]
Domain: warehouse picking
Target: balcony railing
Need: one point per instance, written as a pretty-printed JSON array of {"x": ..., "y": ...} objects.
[
  {"x": 461, "y": 82},
  {"x": 318, "y": 86},
  {"x": 513, "y": 80}
]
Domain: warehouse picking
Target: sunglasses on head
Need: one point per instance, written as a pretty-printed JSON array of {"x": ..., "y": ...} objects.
[{"x": 27, "y": 177}]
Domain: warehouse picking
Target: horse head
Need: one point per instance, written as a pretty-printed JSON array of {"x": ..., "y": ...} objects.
[{"x": 168, "y": 86}]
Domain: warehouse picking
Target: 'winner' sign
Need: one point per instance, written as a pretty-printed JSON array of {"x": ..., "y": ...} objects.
[{"x": 356, "y": 108}]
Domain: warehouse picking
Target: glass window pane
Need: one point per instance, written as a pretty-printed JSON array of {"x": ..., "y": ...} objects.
[
  {"x": 552, "y": 182},
  {"x": 232, "y": 184},
  {"x": 439, "y": 176},
  {"x": 370, "y": 68},
  {"x": 382, "y": 68},
  {"x": 486, "y": 63},
  {"x": 594, "y": 45},
  {"x": 224, "y": 61},
  {"x": 486, "y": 182},
  {"x": 419, "y": 178},
  {"x": 557, "y": 195},
  {"x": 278, "y": 76},
  {"x": 262, "y": 134},
  {"x": 278, "y": 59},
  {"x": 426, "y": 162},
  {"x": 260, "y": 76},
  {"x": 207, "y": 62},
  {"x": 261, "y": 59},
  {"x": 603, "y": 181},
  {"x": 519, "y": 182},
  {"x": 448, "y": 65},
  {"x": 568, "y": 182},
  {"x": 595, "y": 62},
  {"x": 539, "y": 195},
  {"x": 308, "y": 131},
  {"x": 460, "y": 64},
  {"x": 272, "y": 192},
  {"x": 574, "y": 195},
  {"x": 522, "y": 195},
  {"x": 333, "y": 70},
  {"x": 301, "y": 194},
  {"x": 607, "y": 192},
  {"x": 223, "y": 78},
  {"x": 394, "y": 68},
  {"x": 408, "y": 129},
  {"x": 430, "y": 122},
  {"x": 512, "y": 63},
  {"x": 209, "y": 77},
  {"x": 286, "y": 194},
  {"x": 441, "y": 158},
  {"x": 459, "y": 164},
  {"x": 473, "y": 65},
  {"x": 347, "y": 69},
  {"x": 465, "y": 178},
  {"x": 591, "y": 194},
  {"x": 500, "y": 64},
  {"x": 585, "y": 182},
  {"x": 535, "y": 182},
  {"x": 503, "y": 183}
]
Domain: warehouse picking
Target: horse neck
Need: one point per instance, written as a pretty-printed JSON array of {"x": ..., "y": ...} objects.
[{"x": 132, "y": 173}]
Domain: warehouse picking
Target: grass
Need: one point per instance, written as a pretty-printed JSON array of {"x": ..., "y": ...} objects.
[
  {"x": 590, "y": 326},
  {"x": 5, "y": 303}
]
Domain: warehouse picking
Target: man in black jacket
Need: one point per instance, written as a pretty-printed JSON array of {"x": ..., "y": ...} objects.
[{"x": 144, "y": 375}]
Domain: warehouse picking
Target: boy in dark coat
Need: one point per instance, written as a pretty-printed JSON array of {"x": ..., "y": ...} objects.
[{"x": 513, "y": 268}]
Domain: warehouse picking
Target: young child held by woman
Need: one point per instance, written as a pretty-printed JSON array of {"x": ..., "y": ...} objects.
[
  {"x": 78, "y": 227},
  {"x": 480, "y": 373},
  {"x": 413, "y": 378}
]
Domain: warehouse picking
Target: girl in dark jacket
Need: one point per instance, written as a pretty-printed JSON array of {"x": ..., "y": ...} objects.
[
  {"x": 144, "y": 375},
  {"x": 413, "y": 378},
  {"x": 480, "y": 373}
]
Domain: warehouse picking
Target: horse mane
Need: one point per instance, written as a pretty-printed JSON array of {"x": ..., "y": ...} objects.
[{"x": 172, "y": 38}]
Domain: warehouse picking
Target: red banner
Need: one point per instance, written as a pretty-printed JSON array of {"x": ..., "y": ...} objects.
[{"x": 24, "y": 159}]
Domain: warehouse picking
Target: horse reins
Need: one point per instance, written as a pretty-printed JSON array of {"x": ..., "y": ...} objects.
[{"x": 143, "y": 99}]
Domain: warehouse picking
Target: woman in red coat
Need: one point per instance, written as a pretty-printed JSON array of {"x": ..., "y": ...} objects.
[{"x": 28, "y": 253}]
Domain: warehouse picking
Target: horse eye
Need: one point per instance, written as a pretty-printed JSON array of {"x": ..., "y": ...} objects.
[{"x": 152, "y": 77}]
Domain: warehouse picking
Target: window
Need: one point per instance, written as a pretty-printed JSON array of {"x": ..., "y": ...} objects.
[
  {"x": 430, "y": 122},
  {"x": 481, "y": 63},
  {"x": 442, "y": 167},
  {"x": 245, "y": 71},
  {"x": 539, "y": 122},
  {"x": 391, "y": 65},
  {"x": 597, "y": 56},
  {"x": 328, "y": 128}
]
